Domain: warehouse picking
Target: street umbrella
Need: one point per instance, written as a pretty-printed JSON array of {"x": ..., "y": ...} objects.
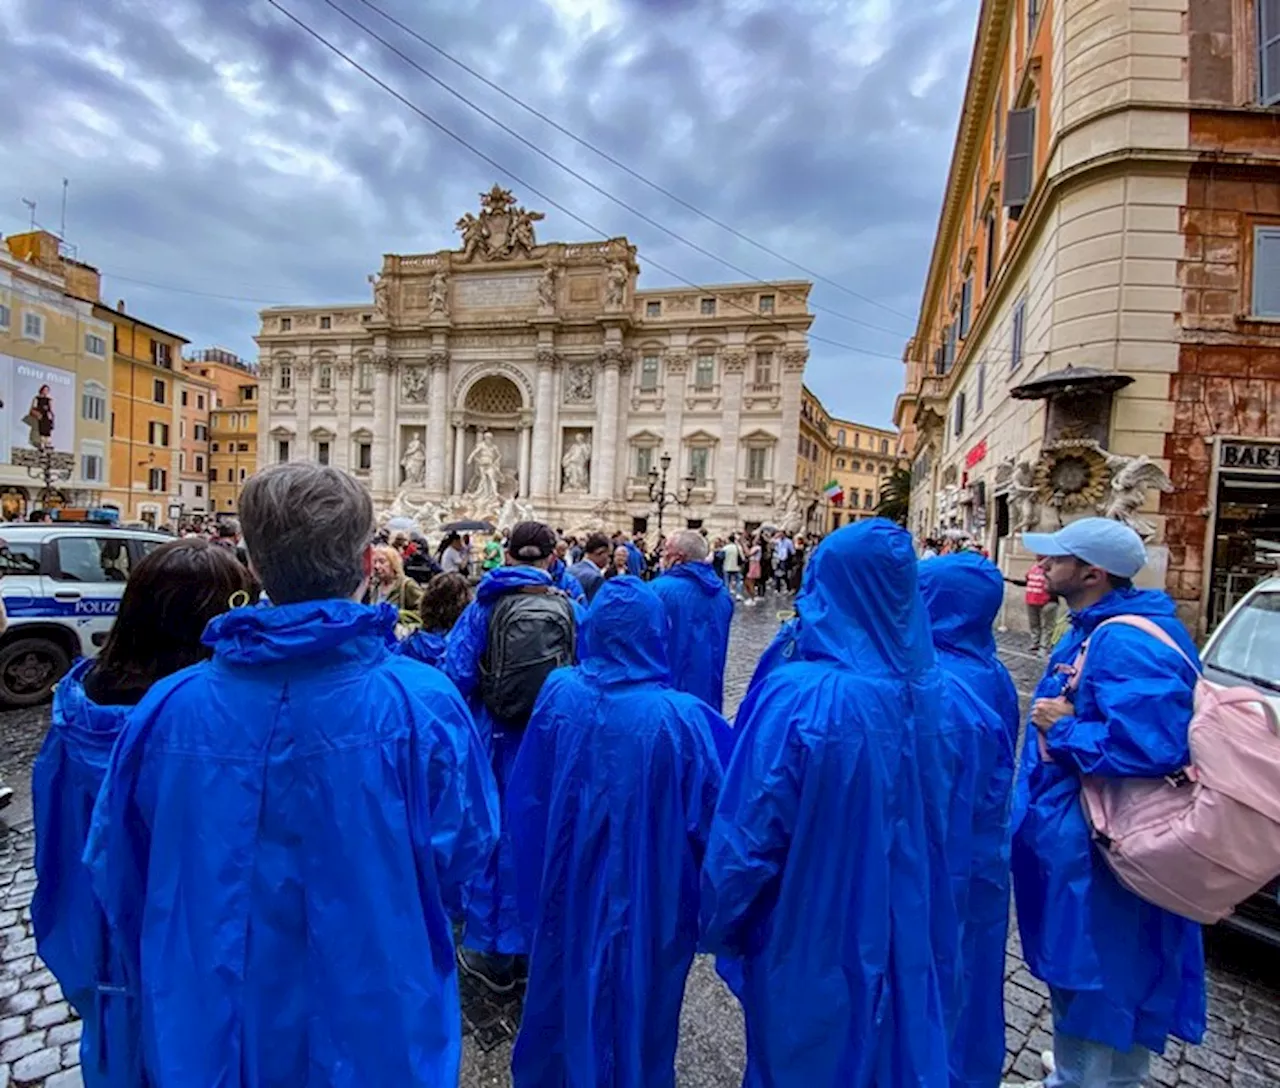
[
  {"x": 467, "y": 527},
  {"x": 407, "y": 524}
]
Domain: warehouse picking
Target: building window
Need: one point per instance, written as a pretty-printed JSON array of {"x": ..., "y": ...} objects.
[
  {"x": 1033, "y": 13},
  {"x": 364, "y": 456},
  {"x": 757, "y": 464},
  {"x": 5, "y": 316},
  {"x": 242, "y": 447},
  {"x": 708, "y": 308},
  {"x": 649, "y": 374},
  {"x": 231, "y": 422},
  {"x": 282, "y": 450},
  {"x": 157, "y": 480},
  {"x": 199, "y": 462},
  {"x": 158, "y": 391},
  {"x": 243, "y": 474},
  {"x": 1019, "y": 333},
  {"x": 704, "y": 372},
  {"x": 248, "y": 393},
  {"x": 32, "y": 326},
  {"x": 202, "y": 433},
  {"x": 199, "y": 490},
  {"x": 286, "y": 324},
  {"x": 1266, "y": 270},
  {"x": 948, "y": 348},
  {"x": 766, "y": 304},
  {"x": 324, "y": 381},
  {"x": 364, "y": 376},
  {"x": 326, "y": 322},
  {"x": 213, "y": 447},
  {"x": 840, "y": 463},
  {"x": 981, "y": 399},
  {"x": 989, "y": 269},
  {"x": 868, "y": 500},
  {"x": 644, "y": 460},
  {"x": 183, "y": 395},
  {"x": 244, "y": 421},
  {"x": 884, "y": 445},
  {"x": 764, "y": 369},
  {"x": 213, "y": 475},
  {"x": 182, "y": 460},
  {"x": 95, "y": 345},
  {"x": 966, "y": 307},
  {"x": 158, "y": 433},
  {"x": 200, "y": 402},
  {"x": 286, "y": 377},
  {"x": 1269, "y": 52},
  {"x": 322, "y": 453},
  {"x": 653, "y": 309},
  {"x": 959, "y": 414},
  {"x": 1019, "y": 160},
  {"x": 91, "y": 466},
  {"x": 698, "y": 459},
  {"x": 93, "y": 402},
  {"x": 161, "y": 354}
]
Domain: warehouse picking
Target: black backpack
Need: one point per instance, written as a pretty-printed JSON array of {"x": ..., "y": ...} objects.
[{"x": 531, "y": 632}]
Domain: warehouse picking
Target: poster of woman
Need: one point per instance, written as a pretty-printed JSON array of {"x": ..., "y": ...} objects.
[{"x": 45, "y": 397}]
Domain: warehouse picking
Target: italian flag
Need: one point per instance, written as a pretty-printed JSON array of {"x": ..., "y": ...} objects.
[{"x": 834, "y": 492}]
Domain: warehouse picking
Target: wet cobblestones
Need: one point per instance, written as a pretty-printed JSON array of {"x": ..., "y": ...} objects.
[{"x": 39, "y": 1033}]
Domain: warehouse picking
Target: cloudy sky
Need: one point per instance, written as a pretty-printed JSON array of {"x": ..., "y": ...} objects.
[{"x": 220, "y": 159}]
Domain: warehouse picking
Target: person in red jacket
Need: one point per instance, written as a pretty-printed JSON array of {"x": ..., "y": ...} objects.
[{"x": 1041, "y": 609}]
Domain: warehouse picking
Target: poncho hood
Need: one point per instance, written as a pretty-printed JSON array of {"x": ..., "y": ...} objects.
[
  {"x": 270, "y": 635},
  {"x": 624, "y": 638},
  {"x": 963, "y": 594}
]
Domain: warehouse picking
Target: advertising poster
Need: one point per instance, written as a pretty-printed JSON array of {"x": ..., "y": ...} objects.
[
  {"x": 42, "y": 411},
  {"x": 7, "y": 363}
]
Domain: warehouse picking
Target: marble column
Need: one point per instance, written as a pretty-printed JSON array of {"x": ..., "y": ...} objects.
[
  {"x": 526, "y": 435},
  {"x": 727, "y": 470},
  {"x": 302, "y": 398},
  {"x": 341, "y": 457},
  {"x": 604, "y": 446},
  {"x": 543, "y": 422},
  {"x": 673, "y": 417},
  {"x": 459, "y": 457},
  {"x": 385, "y": 455},
  {"x": 438, "y": 423}
]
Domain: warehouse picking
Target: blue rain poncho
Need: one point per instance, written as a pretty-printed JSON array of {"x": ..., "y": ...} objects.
[
  {"x": 636, "y": 562},
  {"x": 71, "y": 930},
  {"x": 818, "y": 873},
  {"x": 567, "y": 583},
  {"x": 274, "y": 844},
  {"x": 699, "y": 611},
  {"x": 1125, "y": 971},
  {"x": 964, "y": 593},
  {"x": 492, "y": 917},
  {"x": 610, "y": 805},
  {"x": 425, "y": 646}
]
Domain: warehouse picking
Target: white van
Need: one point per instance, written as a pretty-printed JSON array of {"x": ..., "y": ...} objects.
[{"x": 61, "y": 588}]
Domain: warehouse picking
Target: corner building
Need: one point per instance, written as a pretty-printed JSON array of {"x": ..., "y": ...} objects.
[
  {"x": 549, "y": 355},
  {"x": 1112, "y": 207}
]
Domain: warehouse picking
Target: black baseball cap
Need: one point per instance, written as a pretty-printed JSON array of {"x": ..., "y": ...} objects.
[{"x": 531, "y": 541}]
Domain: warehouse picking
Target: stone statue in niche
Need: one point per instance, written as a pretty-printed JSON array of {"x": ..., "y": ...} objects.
[
  {"x": 1131, "y": 479},
  {"x": 414, "y": 385},
  {"x": 547, "y": 291},
  {"x": 486, "y": 478},
  {"x": 438, "y": 294},
  {"x": 381, "y": 295},
  {"x": 576, "y": 464},
  {"x": 1024, "y": 506},
  {"x": 791, "y": 516},
  {"x": 616, "y": 288},
  {"x": 579, "y": 384},
  {"x": 414, "y": 463}
]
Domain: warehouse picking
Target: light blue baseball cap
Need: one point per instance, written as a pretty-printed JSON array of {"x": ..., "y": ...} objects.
[{"x": 1100, "y": 542}]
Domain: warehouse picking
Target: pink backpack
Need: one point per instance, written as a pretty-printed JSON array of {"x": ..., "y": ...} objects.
[{"x": 1199, "y": 842}]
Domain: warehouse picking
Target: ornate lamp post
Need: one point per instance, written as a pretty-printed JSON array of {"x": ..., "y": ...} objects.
[
  {"x": 660, "y": 496},
  {"x": 49, "y": 466}
]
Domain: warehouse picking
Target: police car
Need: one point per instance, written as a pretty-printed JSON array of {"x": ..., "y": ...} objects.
[{"x": 61, "y": 586}]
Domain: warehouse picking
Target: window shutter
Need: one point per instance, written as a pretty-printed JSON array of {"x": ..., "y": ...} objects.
[
  {"x": 966, "y": 306},
  {"x": 959, "y": 414},
  {"x": 1019, "y": 157},
  {"x": 982, "y": 387},
  {"x": 1266, "y": 272},
  {"x": 1269, "y": 51},
  {"x": 1019, "y": 332}
]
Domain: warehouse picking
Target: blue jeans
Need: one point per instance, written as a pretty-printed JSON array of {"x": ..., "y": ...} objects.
[
  {"x": 1085, "y": 1064},
  {"x": 733, "y": 580}
]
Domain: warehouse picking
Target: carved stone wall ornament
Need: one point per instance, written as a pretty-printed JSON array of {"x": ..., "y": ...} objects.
[
  {"x": 795, "y": 358},
  {"x": 547, "y": 291},
  {"x": 1131, "y": 479},
  {"x": 482, "y": 370},
  {"x": 677, "y": 363},
  {"x": 616, "y": 286},
  {"x": 437, "y": 359},
  {"x": 503, "y": 230},
  {"x": 381, "y": 296},
  {"x": 735, "y": 362},
  {"x": 579, "y": 383},
  {"x": 611, "y": 357},
  {"x": 345, "y": 368},
  {"x": 414, "y": 385},
  {"x": 438, "y": 295},
  {"x": 548, "y": 358},
  {"x": 384, "y": 360}
]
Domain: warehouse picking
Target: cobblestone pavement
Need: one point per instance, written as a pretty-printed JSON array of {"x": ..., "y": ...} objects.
[{"x": 38, "y": 1032}]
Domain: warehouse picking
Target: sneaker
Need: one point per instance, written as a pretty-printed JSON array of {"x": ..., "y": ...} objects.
[
  {"x": 1048, "y": 1062},
  {"x": 1022, "y": 1084},
  {"x": 496, "y": 973},
  {"x": 6, "y": 795}
]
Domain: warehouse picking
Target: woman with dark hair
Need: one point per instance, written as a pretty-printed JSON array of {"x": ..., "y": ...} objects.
[
  {"x": 40, "y": 419},
  {"x": 443, "y": 601},
  {"x": 173, "y": 593}
]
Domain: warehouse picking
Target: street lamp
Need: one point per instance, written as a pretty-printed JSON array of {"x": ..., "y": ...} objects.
[
  {"x": 660, "y": 496},
  {"x": 175, "y": 514},
  {"x": 49, "y": 466}
]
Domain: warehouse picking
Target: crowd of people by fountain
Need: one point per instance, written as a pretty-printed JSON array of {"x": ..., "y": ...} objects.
[{"x": 270, "y": 834}]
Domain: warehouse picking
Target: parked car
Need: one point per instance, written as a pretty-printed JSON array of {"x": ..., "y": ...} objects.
[
  {"x": 1245, "y": 651},
  {"x": 61, "y": 589}
]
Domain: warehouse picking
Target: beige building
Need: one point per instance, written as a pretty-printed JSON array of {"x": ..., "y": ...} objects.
[
  {"x": 233, "y": 424},
  {"x": 55, "y": 375},
  {"x": 813, "y": 463},
  {"x": 862, "y": 457},
  {"x": 1112, "y": 208},
  {"x": 511, "y": 376}
]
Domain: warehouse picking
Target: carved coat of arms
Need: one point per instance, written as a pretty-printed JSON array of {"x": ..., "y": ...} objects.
[{"x": 501, "y": 231}]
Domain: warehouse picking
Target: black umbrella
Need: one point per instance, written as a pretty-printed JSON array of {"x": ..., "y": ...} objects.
[{"x": 467, "y": 527}]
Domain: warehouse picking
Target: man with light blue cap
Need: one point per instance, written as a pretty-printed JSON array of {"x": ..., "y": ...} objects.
[{"x": 1124, "y": 974}]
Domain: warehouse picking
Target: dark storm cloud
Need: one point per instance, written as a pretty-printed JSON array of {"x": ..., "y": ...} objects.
[{"x": 214, "y": 146}]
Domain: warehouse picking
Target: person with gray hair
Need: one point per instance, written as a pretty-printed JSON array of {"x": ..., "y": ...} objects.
[
  {"x": 699, "y": 610},
  {"x": 281, "y": 827}
]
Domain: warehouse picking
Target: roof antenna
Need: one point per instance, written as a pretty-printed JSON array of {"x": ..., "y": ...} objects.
[
  {"x": 63, "y": 232},
  {"x": 31, "y": 204}
]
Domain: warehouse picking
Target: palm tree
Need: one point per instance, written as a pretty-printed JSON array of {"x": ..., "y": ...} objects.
[{"x": 895, "y": 496}]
